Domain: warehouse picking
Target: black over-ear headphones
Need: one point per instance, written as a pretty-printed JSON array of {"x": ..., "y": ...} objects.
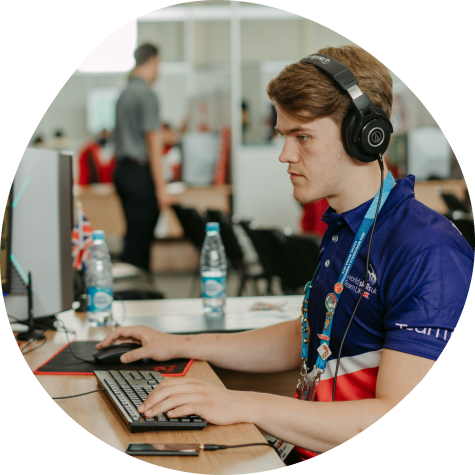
[{"x": 366, "y": 129}]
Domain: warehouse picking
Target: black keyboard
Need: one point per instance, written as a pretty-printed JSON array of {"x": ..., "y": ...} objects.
[{"x": 128, "y": 389}]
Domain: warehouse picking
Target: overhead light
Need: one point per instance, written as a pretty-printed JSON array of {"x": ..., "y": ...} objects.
[{"x": 115, "y": 54}]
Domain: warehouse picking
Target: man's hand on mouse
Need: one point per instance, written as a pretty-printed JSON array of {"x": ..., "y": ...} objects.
[
  {"x": 156, "y": 345},
  {"x": 186, "y": 396}
]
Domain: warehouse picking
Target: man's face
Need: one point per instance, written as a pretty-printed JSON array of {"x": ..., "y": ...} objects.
[
  {"x": 317, "y": 161},
  {"x": 154, "y": 64}
]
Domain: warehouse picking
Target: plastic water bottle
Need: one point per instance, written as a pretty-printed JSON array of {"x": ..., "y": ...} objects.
[
  {"x": 99, "y": 282},
  {"x": 213, "y": 268}
]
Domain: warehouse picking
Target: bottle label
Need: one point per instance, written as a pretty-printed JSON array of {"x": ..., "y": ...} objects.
[
  {"x": 99, "y": 299},
  {"x": 213, "y": 287}
]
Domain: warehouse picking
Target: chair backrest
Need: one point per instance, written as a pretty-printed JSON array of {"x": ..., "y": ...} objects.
[
  {"x": 453, "y": 203},
  {"x": 284, "y": 261},
  {"x": 264, "y": 254},
  {"x": 193, "y": 224},
  {"x": 466, "y": 228},
  {"x": 306, "y": 248},
  {"x": 230, "y": 242}
]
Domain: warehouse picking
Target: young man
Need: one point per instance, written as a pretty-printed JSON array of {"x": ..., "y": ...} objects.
[
  {"x": 138, "y": 176},
  {"x": 419, "y": 275}
]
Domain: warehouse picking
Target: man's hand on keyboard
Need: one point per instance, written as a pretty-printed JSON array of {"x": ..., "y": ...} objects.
[
  {"x": 156, "y": 345},
  {"x": 185, "y": 396}
]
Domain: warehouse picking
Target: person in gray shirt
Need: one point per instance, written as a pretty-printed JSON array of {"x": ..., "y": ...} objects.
[{"x": 138, "y": 176}]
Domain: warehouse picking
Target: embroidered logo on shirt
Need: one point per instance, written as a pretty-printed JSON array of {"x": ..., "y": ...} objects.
[
  {"x": 434, "y": 332},
  {"x": 355, "y": 284},
  {"x": 372, "y": 275}
]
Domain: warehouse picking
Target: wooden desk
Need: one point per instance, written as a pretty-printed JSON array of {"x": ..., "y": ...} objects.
[
  {"x": 437, "y": 417},
  {"x": 95, "y": 413}
]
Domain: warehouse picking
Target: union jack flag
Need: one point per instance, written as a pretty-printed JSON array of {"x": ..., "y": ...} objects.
[
  {"x": 366, "y": 295},
  {"x": 81, "y": 238}
]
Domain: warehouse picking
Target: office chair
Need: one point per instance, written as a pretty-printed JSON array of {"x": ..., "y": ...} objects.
[
  {"x": 466, "y": 228},
  {"x": 194, "y": 229},
  {"x": 234, "y": 251},
  {"x": 193, "y": 224},
  {"x": 453, "y": 203},
  {"x": 288, "y": 267},
  {"x": 265, "y": 255},
  {"x": 306, "y": 248}
]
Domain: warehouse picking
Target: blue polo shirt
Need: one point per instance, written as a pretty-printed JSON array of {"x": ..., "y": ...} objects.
[{"x": 420, "y": 273}]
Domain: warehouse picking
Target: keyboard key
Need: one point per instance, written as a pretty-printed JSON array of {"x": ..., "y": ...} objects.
[{"x": 131, "y": 388}]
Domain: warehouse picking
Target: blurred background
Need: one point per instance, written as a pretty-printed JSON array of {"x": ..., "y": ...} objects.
[{"x": 221, "y": 157}]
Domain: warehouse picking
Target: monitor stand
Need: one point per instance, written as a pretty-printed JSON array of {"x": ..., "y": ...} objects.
[{"x": 31, "y": 334}]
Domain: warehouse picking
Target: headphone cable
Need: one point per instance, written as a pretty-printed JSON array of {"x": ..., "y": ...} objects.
[{"x": 363, "y": 289}]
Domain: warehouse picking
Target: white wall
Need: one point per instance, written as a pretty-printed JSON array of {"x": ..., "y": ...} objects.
[{"x": 262, "y": 188}]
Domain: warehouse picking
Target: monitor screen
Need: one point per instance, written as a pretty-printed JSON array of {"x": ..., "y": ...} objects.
[
  {"x": 41, "y": 224},
  {"x": 5, "y": 244}
]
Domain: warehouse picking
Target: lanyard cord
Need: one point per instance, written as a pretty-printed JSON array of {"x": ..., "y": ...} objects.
[{"x": 381, "y": 166}]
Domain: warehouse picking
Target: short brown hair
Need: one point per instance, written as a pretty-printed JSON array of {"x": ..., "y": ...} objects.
[
  {"x": 144, "y": 52},
  {"x": 306, "y": 94}
]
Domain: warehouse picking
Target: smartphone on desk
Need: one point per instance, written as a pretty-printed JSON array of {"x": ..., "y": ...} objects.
[{"x": 163, "y": 449}]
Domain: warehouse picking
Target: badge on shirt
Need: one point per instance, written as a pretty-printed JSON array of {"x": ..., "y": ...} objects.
[
  {"x": 324, "y": 351},
  {"x": 338, "y": 288},
  {"x": 323, "y": 337},
  {"x": 330, "y": 302}
]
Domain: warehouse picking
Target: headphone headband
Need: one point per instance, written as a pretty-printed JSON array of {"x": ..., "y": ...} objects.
[
  {"x": 341, "y": 75},
  {"x": 365, "y": 132}
]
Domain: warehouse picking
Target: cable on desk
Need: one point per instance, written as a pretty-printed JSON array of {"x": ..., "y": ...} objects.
[
  {"x": 77, "y": 395},
  {"x": 40, "y": 326},
  {"x": 222, "y": 447},
  {"x": 23, "y": 352},
  {"x": 70, "y": 346}
]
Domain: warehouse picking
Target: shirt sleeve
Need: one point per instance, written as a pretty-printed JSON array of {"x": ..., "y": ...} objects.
[
  {"x": 150, "y": 112},
  {"x": 424, "y": 301}
]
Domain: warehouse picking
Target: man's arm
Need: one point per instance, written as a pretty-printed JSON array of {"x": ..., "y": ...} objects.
[
  {"x": 317, "y": 426},
  {"x": 154, "y": 141},
  {"x": 320, "y": 426},
  {"x": 270, "y": 349}
]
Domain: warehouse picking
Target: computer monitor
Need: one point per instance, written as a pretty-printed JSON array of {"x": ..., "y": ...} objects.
[
  {"x": 428, "y": 154},
  {"x": 5, "y": 245},
  {"x": 40, "y": 237}
]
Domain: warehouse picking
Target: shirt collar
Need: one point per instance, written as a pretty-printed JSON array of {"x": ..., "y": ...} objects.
[
  {"x": 138, "y": 79},
  {"x": 403, "y": 189}
]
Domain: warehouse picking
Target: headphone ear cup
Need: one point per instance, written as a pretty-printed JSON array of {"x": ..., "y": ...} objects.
[
  {"x": 345, "y": 128},
  {"x": 363, "y": 150}
]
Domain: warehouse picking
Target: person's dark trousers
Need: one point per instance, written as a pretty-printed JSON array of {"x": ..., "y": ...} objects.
[{"x": 136, "y": 189}]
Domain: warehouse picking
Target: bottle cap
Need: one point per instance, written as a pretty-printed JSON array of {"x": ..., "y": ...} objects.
[
  {"x": 98, "y": 235},
  {"x": 212, "y": 226}
]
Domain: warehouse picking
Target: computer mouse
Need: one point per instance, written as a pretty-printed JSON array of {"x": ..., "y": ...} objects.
[{"x": 112, "y": 353}]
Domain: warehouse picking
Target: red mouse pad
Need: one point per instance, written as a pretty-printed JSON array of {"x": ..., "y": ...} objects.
[{"x": 64, "y": 362}]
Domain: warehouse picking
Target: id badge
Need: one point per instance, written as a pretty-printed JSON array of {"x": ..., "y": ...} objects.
[
  {"x": 303, "y": 391},
  {"x": 308, "y": 391},
  {"x": 283, "y": 448}
]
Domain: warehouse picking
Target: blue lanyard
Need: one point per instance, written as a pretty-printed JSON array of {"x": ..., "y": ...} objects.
[{"x": 332, "y": 298}]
